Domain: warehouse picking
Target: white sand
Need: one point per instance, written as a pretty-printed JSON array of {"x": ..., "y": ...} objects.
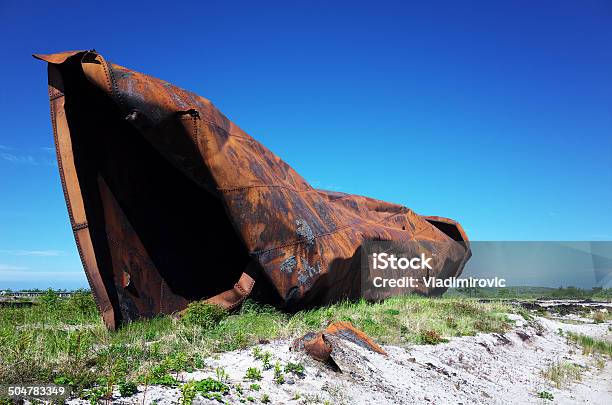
[{"x": 487, "y": 368}]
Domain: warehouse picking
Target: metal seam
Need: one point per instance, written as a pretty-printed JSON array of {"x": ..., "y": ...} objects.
[
  {"x": 239, "y": 188},
  {"x": 79, "y": 226},
  {"x": 110, "y": 77}
]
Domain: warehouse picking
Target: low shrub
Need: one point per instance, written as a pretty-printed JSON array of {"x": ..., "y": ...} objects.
[
  {"x": 432, "y": 337},
  {"x": 203, "y": 314}
]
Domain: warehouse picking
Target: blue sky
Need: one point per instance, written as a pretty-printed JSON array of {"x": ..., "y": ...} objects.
[{"x": 497, "y": 114}]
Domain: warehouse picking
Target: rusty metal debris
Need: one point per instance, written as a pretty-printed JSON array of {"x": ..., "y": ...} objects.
[
  {"x": 172, "y": 202},
  {"x": 318, "y": 345},
  {"x": 315, "y": 344},
  {"x": 347, "y": 331}
]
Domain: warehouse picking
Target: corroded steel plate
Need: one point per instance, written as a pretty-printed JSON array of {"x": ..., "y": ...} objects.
[{"x": 172, "y": 202}]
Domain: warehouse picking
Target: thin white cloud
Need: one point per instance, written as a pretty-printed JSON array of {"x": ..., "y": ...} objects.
[
  {"x": 7, "y": 268},
  {"x": 13, "y": 156},
  {"x": 38, "y": 253},
  {"x": 19, "y": 159}
]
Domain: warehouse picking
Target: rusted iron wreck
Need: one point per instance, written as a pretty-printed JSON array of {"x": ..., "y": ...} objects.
[{"x": 172, "y": 202}]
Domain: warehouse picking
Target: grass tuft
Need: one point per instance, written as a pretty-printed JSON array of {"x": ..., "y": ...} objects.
[
  {"x": 563, "y": 373},
  {"x": 127, "y": 388},
  {"x": 590, "y": 345},
  {"x": 208, "y": 388},
  {"x": 203, "y": 314},
  {"x": 546, "y": 395},
  {"x": 295, "y": 368},
  {"x": 253, "y": 374},
  {"x": 431, "y": 337}
]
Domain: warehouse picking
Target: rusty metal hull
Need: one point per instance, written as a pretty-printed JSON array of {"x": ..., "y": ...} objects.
[{"x": 171, "y": 202}]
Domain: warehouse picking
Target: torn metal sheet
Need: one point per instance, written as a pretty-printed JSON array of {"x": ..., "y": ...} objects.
[
  {"x": 315, "y": 344},
  {"x": 347, "y": 331},
  {"x": 319, "y": 346},
  {"x": 172, "y": 202}
]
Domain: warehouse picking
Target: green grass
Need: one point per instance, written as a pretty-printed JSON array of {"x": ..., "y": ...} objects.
[
  {"x": 253, "y": 374},
  {"x": 208, "y": 388},
  {"x": 295, "y": 368},
  {"x": 562, "y": 373},
  {"x": 127, "y": 388},
  {"x": 279, "y": 378},
  {"x": 431, "y": 337},
  {"x": 204, "y": 315},
  {"x": 601, "y": 317},
  {"x": 546, "y": 395},
  {"x": 591, "y": 345},
  {"x": 65, "y": 339},
  {"x": 400, "y": 320}
]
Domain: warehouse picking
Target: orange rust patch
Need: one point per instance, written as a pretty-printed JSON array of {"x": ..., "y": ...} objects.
[{"x": 347, "y": 331}]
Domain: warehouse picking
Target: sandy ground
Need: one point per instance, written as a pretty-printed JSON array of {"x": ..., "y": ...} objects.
[{"x": 487, "y": 368}]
